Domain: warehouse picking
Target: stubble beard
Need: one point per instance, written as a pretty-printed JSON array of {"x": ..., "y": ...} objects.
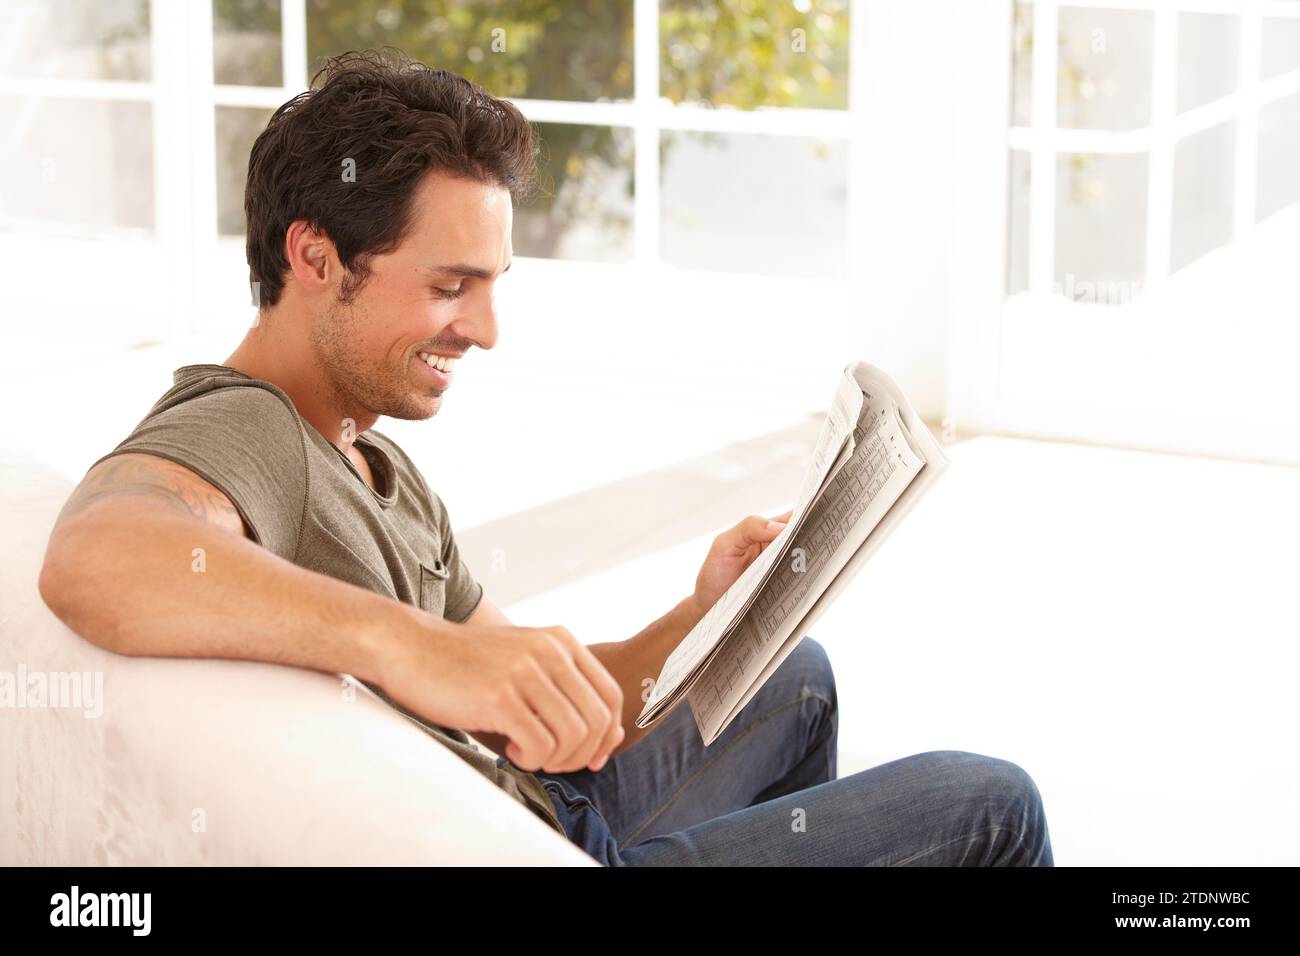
[{"x": 377, "y": 389}]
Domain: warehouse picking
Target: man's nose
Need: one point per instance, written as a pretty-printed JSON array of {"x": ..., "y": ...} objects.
[{"x": 482, "y": 326}]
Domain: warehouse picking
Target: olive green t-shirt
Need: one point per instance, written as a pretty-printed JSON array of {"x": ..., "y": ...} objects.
[{"x": 303, "y": 500}]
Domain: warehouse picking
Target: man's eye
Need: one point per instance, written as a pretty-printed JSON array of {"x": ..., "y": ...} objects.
[{"x": 449, "y": 293}]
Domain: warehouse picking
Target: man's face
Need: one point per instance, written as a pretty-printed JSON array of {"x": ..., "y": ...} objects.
[{"x": 369, "y": 348}]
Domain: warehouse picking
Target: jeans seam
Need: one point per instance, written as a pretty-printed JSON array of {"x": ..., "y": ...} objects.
[
  {"x": 973, "y": 833},
  {"x": 578, "y": 802},
  {"x": 803, "y": 695}
]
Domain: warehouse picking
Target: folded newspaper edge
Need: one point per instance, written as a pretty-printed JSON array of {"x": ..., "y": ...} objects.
[{"x": 864, "y": 491}]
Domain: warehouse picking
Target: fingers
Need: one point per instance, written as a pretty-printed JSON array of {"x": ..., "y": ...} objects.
[
  {"x": 578, "y": 702},
  {"x": 529, "y": 737},
  {"x": 587, "y": 727},
  {"x": 611, "y": 694},
  {"x": 756, "y": 529},
  {"x": 550, "y": 722}
]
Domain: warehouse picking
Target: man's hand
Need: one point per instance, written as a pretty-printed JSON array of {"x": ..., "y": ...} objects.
[
  {"x": 539, "y": 687},
  {"x": 733, "y": 551}
]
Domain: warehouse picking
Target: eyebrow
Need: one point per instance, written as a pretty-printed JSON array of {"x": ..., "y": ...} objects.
[{"x": 464, "y": 269}]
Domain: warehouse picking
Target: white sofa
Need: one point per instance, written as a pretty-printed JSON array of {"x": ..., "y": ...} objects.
[{"x": 215, "y": 762}]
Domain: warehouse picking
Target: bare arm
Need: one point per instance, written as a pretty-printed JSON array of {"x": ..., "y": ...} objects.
[
  {"x": 489, "y": 613},
  {"x": 157, "y": 480},
  {"x": 637, "y": 662},
  {"x": 122, "y": 570}
]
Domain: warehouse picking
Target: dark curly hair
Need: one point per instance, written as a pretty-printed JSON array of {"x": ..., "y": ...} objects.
[{"x": 395, "y": 119}]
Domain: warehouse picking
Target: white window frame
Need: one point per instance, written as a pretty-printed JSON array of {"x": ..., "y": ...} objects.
[
  {"x": 150, "y": 271},
  {"x": 198, "y": 265},
  {"x": 646, "y": 116},
  {"x": 977, "y": 404},
  {"x": 1044, "y": 141}
]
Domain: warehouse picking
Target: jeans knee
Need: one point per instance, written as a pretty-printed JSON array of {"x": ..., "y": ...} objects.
[
  {"x": 812, "y": 665},
  {"x": 995, "y": 777},
  {"x": 994, "y": 798},
  {"x": 1005, "y": 788},
  {"x": 1020, "y": 784},
  {"x": 1013, "y": 790},
  {"x": 1006, "y": 783},
  {"x": 811, "y": 668}
]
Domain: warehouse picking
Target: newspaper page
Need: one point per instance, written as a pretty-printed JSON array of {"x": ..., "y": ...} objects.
[
  {"x": 882, "y": 466},
  {"x": 833, "y": 450},
  {"x": 874, "y": 459}
]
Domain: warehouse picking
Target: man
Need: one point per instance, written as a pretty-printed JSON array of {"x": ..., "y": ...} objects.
[{"x": 379, "y": 208}]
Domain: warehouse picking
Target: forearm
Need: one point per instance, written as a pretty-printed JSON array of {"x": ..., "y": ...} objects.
[
  {"x": 640, "y": 659},
  {"x": 149, "y": 597}
]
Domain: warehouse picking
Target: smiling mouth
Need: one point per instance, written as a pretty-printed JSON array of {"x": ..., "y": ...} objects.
[{"x": 443, "y": 363}]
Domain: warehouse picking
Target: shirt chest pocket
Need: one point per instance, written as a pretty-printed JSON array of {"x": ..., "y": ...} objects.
[{"x": 433, "y": 586}]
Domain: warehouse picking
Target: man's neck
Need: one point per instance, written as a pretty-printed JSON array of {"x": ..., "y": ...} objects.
[{"x": 289, "y": 365}]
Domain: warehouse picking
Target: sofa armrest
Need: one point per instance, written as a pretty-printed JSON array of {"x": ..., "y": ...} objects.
[{"x": 222, "y": 762}]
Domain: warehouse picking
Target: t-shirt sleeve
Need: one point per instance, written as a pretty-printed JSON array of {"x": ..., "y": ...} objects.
[
  {"x": 463, "y": 592},
  {"x": 244, "y": 441}
]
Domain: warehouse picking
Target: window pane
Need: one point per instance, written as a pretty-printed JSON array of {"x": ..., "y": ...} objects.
[
  {"x": 747, "y": 54},
  {"x": 583, "y": 209},
  {"x": 77, "y": 39},
  {"x": 1104, "y": 69},
  {"x": 1279, "y": 155},
  {"x": 1203, "y": 194},
  {"x": 246, "y": 42},
  {"x": 77, "y": 161},
  {"x": 237, "y": 128},
  {"x": 559, "y": 51},
  {"x": 1280, "y": 42},
  {"x": 1018, "y": 231},
  {"x": 1022, "y": 63},
  {"x": 1207, "y": 58},
  {"x": 751, "y": 203},
  {"x": 1101, "y": 226}
]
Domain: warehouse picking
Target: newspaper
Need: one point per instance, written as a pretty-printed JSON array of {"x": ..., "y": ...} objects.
[{"x": 874, "y": 457}]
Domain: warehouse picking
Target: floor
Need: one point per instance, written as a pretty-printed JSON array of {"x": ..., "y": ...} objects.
[{"x": 1121, "y": 624}]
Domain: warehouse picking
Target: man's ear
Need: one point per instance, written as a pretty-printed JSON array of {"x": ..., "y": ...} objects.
[{"x": 310, "y": 254}]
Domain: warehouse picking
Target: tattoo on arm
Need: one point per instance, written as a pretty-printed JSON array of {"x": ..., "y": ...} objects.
[{"x": 164, "y": 481}]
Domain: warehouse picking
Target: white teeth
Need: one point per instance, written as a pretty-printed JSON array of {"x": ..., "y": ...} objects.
[{"x": 439, "y": 362}]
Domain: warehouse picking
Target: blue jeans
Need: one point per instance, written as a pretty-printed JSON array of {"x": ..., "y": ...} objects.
[{"x": 766, "y": 793}]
